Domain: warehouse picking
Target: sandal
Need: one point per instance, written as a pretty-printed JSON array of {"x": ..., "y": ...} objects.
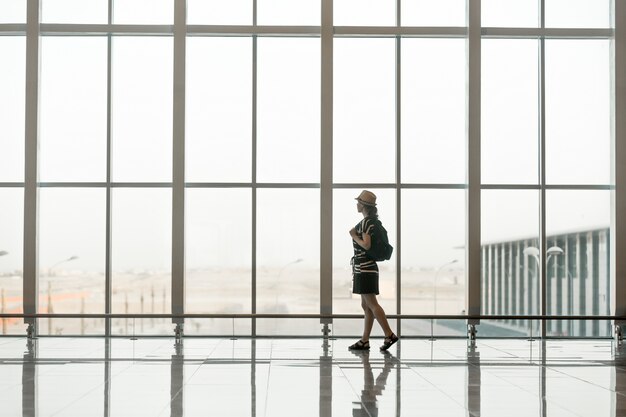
[
  {"x": 389, "y": 340},
  {"x": 360, "y": 345}
]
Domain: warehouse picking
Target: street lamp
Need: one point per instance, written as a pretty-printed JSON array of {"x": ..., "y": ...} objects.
[
  {"x": 71, "y": 258},
  {"x": 277, "y": 282},
  {"x": 297, "y": 261},
  {"x": 534, "y": 252}
]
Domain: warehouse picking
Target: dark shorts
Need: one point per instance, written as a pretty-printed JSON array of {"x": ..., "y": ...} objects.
[{"x": 365, "y": 283}]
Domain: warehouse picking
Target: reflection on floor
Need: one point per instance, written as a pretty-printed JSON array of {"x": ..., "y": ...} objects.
[{"x": 305, "y": 377}]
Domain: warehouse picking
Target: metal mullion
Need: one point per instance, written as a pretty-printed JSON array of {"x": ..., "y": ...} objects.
[
  {"x": 30, "y": 284},
  {"x": 510, "y": 187},
  {"x": 178, "y": 166},
  {"x": 542, "y": 172},
  {"x": 398, "y": 121},
  {"x": 141, "y": 184},
  {"x": 249, "y": 184},
  {"x": 618, "y": 166},
  {"x": 72, "y": 184},
  {"x": 247, "y": 30},
  {"x": 406, "y": 31},
  {"x": 435, "y": 186},
  {"x": 286, "y": 185},
  {"x": 326, "y": 162},
  {"x": 218, "y": 185},
  {"x": 546, "y": 186},
  {"x": 11, "y": 184},
  {"x": 473, "y": 219},
  {"x": 401, "y": 185},
  {"x": 578, "y": 187},
  {"x": 13, "y": 29},
  {"x": 254, "y": 169},
  {"x": 104, "y": 29},
  {"x": 550, "y": 33},
  {"x": 108, "y": 272}
]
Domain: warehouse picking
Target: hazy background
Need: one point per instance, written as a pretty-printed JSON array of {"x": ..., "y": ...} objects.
[{"x": 73, "y": 117}]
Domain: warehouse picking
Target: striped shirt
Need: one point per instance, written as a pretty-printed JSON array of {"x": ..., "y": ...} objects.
[{"x": 361, "y": 262}]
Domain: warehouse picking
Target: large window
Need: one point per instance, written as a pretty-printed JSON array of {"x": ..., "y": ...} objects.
[
  {"x": 72, "y": 257},
  {"x": 364, "y": 128},
  {"x": 203, "y": 157},
  {"x": 11, "y": 248},
  {"x": 12, "y": 84},
  {"x": 73, "y": 119},
  {"x": 219, "y": 99},
  {"x": 142, "y": 109}
]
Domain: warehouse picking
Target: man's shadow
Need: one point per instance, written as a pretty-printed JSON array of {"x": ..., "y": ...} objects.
[{"x": 372, "y": 387}]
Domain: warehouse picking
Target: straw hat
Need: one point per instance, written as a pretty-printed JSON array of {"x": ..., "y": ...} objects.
[{"x": 367, "y": 198}]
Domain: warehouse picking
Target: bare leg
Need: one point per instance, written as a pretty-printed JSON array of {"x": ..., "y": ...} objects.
[
  {"x": 369, "y": 320},
  {"x": 377, "y": 311}
]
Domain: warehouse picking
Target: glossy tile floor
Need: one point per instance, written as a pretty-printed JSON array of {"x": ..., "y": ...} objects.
[{"x": 303, "y": 377}]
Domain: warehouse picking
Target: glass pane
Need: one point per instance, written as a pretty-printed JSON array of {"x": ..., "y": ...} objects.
[
  {"x": 11, "y": 261},
  {"x": 219, "y": 12},
  {"x": 364, "y": 110},
  {"x": 577, "y": 227},
  {"x": 433, "y": 110},
  {"x": 73, "y": 109},
  {"x": 142, "y": 109},
  {"x": 288, "y": 257},
  {"x": 289, "y": 12},
  {"x": 288, "y": 110},
  {"x": 345, "y": 217},
  {"x": 12, "y": 85},
  {"x": 364, "y": 12},
  {"x": 509, "y": 13},
  {"x": 433, "y": 257},
  {"x": 72, "y": 254},
  {"x": 578, "y": 111},
  {"x": 219, "y": 252},
  {"x": 13, "y": 11},
  {"x": 141, "y": 256},
  {"x": 578, "y": 13},
  {"x": 433, "y": 13},
  {"x": 143, "y": 12},
  {"x": 510, "y": 258},
  {"x": 74, "y": 11},
  {"x": 510, "y": 111},
  {"x": 218, "y": 110}
]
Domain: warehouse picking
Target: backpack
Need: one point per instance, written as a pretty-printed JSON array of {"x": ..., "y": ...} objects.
[{"x": 380, "y": 250}]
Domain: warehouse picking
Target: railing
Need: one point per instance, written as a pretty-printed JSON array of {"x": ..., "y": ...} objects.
[
  {"x": 325, "y": 319},
  {"x": 304, "y": 316}
]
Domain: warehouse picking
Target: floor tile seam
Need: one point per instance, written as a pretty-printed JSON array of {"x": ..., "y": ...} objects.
[
  {"x": 580, "y": 379},
  {"x": 267, "y": 380},
  {"x": 462, "y": 405},
  {"x": 186, "y": 380},
  {"x": 171, "y": 399},
  {"x": 505, "y": 351},
  {"x": 539, "y": 397},
  {"x": 61, "y": 410}
]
